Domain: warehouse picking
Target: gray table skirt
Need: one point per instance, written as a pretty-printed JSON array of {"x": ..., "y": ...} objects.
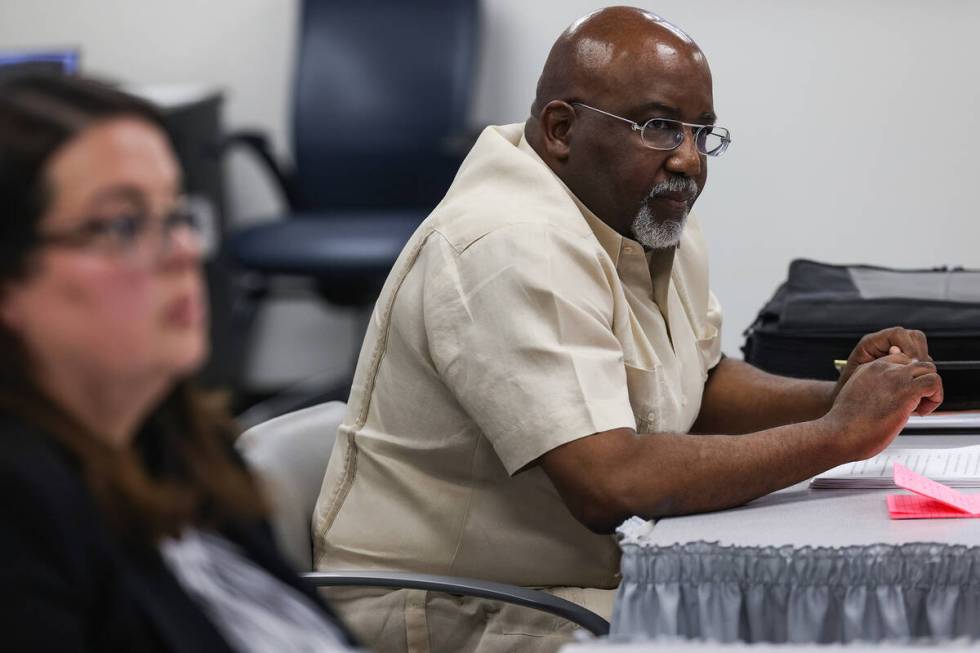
[{"x": 871, "y": 593}]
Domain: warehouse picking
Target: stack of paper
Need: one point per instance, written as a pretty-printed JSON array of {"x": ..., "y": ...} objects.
[
  {"x": 957, "y": 467},
  {"x": 931, "y": 500}
]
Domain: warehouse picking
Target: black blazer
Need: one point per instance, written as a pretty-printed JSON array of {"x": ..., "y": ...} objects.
[{"x": 67, "y": 583}]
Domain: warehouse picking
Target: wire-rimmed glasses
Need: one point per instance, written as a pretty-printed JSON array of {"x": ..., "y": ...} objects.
[{"x": 665, "y": 134}]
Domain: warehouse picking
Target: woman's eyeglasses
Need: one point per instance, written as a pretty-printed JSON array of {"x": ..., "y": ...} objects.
[{"x": 137, "y": 234}]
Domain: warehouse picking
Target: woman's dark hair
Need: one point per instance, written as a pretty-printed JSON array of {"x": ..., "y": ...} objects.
[{"x": 182, "y": 469}]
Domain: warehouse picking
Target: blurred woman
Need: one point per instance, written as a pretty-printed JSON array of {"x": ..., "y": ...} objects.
[{"x": 126, "y": 520}]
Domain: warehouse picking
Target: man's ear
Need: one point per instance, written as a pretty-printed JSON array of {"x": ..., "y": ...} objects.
[{"x": 556, "y": 122}]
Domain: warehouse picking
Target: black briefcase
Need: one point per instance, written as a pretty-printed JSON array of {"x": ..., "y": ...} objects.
[{"x": 821, "y": 311}]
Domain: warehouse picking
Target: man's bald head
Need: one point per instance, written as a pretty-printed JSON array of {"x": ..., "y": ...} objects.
[
  {"x": 634, "y": 67},
  {"x": 593, "y": 57}
]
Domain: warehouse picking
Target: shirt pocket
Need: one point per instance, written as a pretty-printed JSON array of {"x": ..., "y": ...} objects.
[
  {"x": 709, "y": 347},
  {"x": 651, "y": 398}
]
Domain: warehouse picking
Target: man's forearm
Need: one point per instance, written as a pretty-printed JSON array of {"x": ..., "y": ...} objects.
[
  {"x": 734, "y": 470},
  {"x": 740, "y": 398},
  {"x": 693, "y": 473}
]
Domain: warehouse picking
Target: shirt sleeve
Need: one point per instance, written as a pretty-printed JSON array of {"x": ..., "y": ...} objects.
[{"x": 519, "y": 326}]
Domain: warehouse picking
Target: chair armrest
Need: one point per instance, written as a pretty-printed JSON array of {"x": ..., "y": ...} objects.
[
  {"x": 258, "y": 144},
  {"x": 466, "y": 587}
]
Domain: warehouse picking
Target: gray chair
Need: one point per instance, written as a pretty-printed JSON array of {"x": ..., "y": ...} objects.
[{"x": 289, "y": 455}]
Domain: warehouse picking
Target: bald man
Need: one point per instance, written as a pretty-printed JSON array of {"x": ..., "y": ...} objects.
[{"x": 544, "y": 361}]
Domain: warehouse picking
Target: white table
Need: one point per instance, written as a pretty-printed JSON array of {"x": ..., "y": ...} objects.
[
  {"x": 804, "y": 565},
  {"x": 800, "y": 516}
]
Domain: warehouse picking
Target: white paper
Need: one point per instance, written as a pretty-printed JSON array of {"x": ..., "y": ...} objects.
[{"x": 957, "y": 467}]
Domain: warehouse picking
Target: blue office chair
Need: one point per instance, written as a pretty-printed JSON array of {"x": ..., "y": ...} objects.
[{"x": 379, "y": 129}]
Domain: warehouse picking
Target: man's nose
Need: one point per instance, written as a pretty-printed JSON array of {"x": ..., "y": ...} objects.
[{"x": 685, "y": 160}]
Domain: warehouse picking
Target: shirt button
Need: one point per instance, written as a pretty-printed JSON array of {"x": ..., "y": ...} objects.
[{"x": 628, "y": 249}]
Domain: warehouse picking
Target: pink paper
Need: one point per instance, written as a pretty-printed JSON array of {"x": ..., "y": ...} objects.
[
  {"x": 935, "y": 500},
  {"x": 912, "y": 506}
]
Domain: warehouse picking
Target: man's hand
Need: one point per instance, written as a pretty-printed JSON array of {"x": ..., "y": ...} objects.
[
  {"x": 874, "y": 405},
  {"x": 896, "y": 340}
]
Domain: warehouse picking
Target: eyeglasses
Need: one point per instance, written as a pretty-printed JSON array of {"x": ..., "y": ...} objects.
[
  {"x": 665, "y": 134},
  {"x": 137, "y": 235}
]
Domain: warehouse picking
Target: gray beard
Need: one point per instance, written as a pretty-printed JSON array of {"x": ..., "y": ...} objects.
[
  {"x": 663, "y": 234},
  {"x": 657, "y": 234}
]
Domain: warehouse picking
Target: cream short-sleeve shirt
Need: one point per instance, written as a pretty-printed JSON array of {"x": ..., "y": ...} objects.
[{"x": 514, "y": 321}]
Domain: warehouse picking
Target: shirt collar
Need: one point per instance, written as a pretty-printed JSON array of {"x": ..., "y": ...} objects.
[{"x": 611, "y": 241}]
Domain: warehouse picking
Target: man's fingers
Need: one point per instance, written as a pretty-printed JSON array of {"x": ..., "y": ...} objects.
[
  {"x": 926, "y": 407},
  {"x": 921, "y": 345},
  {"x": 919, "y": 368},
  {"x": 929, "y": 385},
  {"x": 898, "y": 359},
  {"x": 884, "y": 342},
  {"x": 911, "y": 341},
  {"x": 872, "y": 347},
  {"x": 916, "y": 367}
]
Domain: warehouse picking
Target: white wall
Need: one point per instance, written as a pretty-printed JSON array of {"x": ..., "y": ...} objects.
[
  {"x": 244, "y": 47},
  {"x": 855, "y": 126},
  {"x": 854, "y": 121}
]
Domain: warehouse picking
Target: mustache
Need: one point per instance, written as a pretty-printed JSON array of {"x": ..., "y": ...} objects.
[{"x": 685, "y": 185}]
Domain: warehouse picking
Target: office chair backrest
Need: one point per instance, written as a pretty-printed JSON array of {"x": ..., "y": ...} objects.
[
  {"x": 289, "y": 454},
  {"x": 381, "y": 85}
]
